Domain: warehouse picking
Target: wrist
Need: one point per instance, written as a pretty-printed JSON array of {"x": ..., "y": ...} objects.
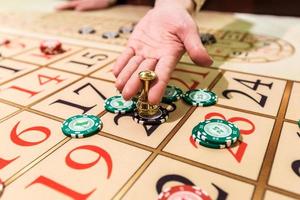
[{"x": 188, "y": 5}]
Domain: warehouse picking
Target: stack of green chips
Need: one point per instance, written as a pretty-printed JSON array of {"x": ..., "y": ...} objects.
[{"x": 216, "y": 133}]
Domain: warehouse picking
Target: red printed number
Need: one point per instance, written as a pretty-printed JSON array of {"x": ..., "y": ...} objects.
[
  {"x": 15, "y": 137},
  {"x": 42, "y": 79},
  {"x": 78, "y": 166}
]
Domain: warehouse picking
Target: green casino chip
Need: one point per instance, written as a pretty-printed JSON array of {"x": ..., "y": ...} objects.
[
  {"x": 217, "y": 131},
  {"x": 208, "y": 144},
  {"x": 116, "y": 104},
  {"x": 200, "y": 97},
  {"x": 81, "y": 126},
  {"x": 196, "y": 135},
  {"x": 172, "y": 94}
]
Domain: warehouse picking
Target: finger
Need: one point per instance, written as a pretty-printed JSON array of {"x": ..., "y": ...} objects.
[
  {"x": 85, "y": 5},
  {"x": 127, "y": 71},
  {"x": 163, "y": 70},
  {"x": 134, "y": 83},
  {"x": 194, "y": 47},
  {"x": 92, "y": 5},
  {"x": 122, "y": 61},
  {"x": 67, "y": 5}
]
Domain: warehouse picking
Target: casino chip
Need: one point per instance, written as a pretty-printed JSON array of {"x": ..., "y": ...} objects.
[
  {"x": 200, "y": 97},
  {"x": 4, "y": 42},
  {"x": 51, "y": 47},
  {"x": 126, "y": 29},
  {"x": 81, "y": 126},
  {"x": 110, "y": 35},
  {"x": 188, "y": 192},
  {"x": 86, "y": 30},
  {"x": 207, "y": 38},
  {"x": 209, "y": 144},
  {"x": 172, "y": 93},
  {"x": 116, "y": 104},
  {"x": 160, "y": 117},
  {"x": 216, "y": 133}
]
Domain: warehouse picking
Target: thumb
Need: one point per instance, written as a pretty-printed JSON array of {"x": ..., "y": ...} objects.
[
  {"x": 67, "y": 5},
  {"x": 91, "y": 5},
  {"x": 194, "y": 47}
]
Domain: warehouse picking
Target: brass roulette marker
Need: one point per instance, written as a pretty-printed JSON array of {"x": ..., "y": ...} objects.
[
  {"x": 146, "y": 113},
  {"x": 143, "y": 107}
]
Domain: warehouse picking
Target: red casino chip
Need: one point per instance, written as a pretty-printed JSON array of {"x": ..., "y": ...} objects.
[
  {"x": 51, "y": 47},
  {"x": 186, "y": 192},
  {"x": 4, "y": 42}
]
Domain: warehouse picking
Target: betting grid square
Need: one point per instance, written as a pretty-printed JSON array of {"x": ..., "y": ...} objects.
[{"x": 275, "y": 134}]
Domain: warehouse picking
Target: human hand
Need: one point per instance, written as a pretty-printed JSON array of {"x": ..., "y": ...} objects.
[
  {"x": 157, "y": 43},
  {"x": 83, "y": 5}
]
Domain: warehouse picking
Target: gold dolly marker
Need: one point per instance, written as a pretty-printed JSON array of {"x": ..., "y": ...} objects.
[{"x": 143, "y": 107}]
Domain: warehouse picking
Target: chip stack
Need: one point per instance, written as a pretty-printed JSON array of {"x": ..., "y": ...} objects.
[
  {"x": 110, "y": 35},
  {"x": 51, "y": 47},
  {"x": 4, "y": 41},
  {"x": 216, "y": 133},
  {"x": 86, "y": 30},
  {"x": 126, "y": 29}
]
